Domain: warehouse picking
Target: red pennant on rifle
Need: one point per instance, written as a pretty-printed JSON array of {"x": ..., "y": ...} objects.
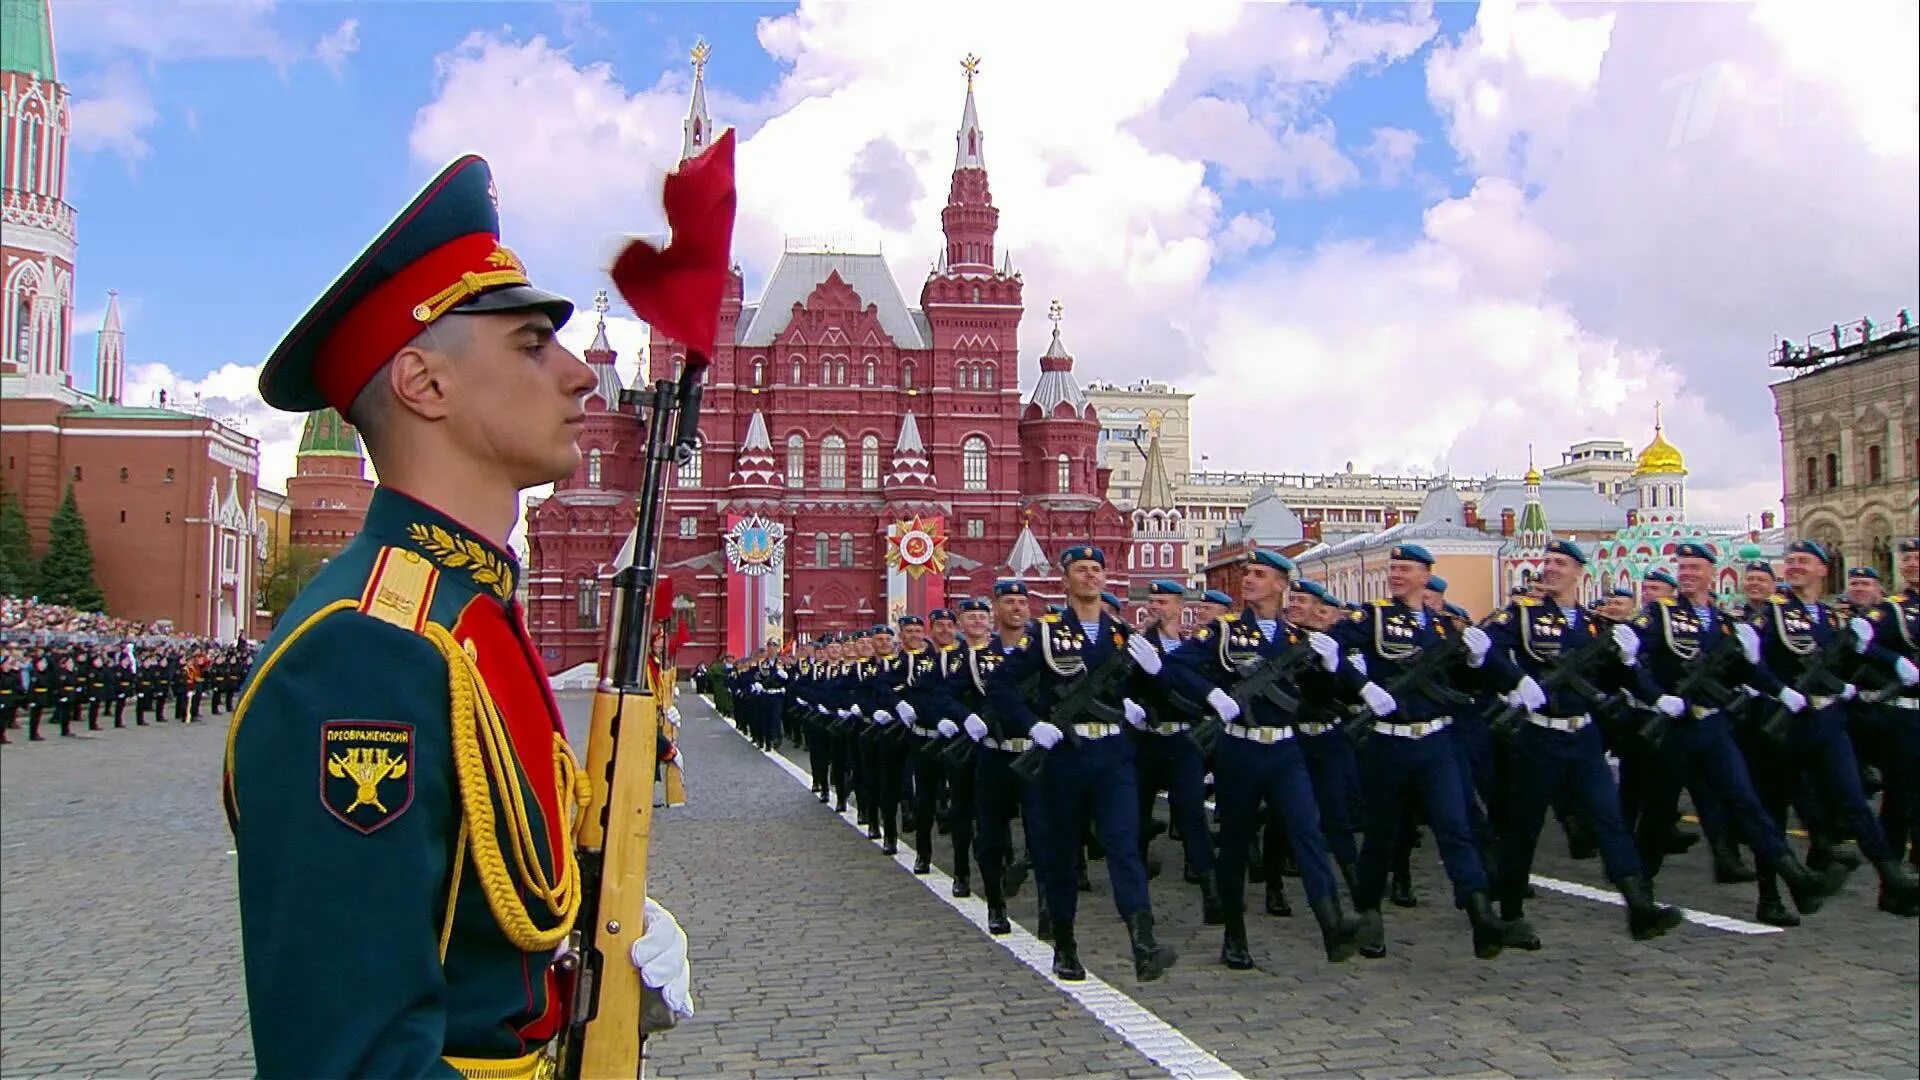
[
  {"x": 663, "y": 599},
  {"x": 677, "y": 290}
]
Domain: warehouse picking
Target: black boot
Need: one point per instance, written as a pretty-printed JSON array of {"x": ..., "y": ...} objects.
[
  {"x": 1899, "y": 893},
  {"x": 1808, "y": 889},
  {"x": 1277, "y": 897},
  {"x": 1152, "y": 864},
  {"x": 1770, "y": 909},
  {"x": 1400, "y": 884},
  {"x": 1337, "y": 932},
  {"x": 1209, "y": 902},
  {"x": 1233, "y": 943},
  {"x": 1371, "y": 937},
  {"x": 1821, "y": 853},
  {"x": 1491, "y": 935},
  {"x": 1679, "y": 841},
  {"x": 1646, "y": 919},
  {"x": 1066, "y": 957},
  {"x": 1013, "y": 877},
  {"x": 1150, "y": 959},
  {"x": 1043, "y": 928},
  {"x": 1513, "y": 913},
  {"x": 922, "y": 864},
  {"x": 1351, "y": 875},
  {"x": 961, "y": 886},
  {"x": 1729, "y": 865},
  {"x": 997, "y": 921}
]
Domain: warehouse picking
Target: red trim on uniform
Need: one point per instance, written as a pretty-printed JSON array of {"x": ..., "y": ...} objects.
[
  {"x": 367, "y": 336},
  {"x": 373, "y": 579}
]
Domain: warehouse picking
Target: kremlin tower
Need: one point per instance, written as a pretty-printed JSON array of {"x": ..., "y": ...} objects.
[
  {"x": 37, "y": 238},
  {"x": 328, "y": 493}
]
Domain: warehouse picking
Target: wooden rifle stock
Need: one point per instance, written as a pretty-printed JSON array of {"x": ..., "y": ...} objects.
[{"x": 602, "y": 1036}]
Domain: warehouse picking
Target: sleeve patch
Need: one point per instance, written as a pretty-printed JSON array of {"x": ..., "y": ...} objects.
[{"x": 366, "y": 772}]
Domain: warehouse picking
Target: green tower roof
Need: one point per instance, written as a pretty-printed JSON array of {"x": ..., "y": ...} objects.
[
  {"x": 26, "y": 38},
  {"x": 327, "y": 434}
]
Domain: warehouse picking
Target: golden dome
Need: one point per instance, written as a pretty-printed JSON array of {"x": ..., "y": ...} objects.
[{"x": 1660, "y": 458}]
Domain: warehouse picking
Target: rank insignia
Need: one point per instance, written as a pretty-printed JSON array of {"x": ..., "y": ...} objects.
[{"x": 366, "y": 772}]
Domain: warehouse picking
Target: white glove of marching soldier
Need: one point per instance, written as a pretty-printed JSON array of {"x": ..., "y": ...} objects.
[
  {"x": 1906, "y": 672},
  {"x": 1477, "y": 645},
  {"x": 660, "y": 954},
  {"x": 908, "y": 712},
  {"x": 673, "y": 713},
  {"x": 1378, "y": 699},
  {"x": 1224, "y": 704},
  {"x": 1045, "y": 734},
  {"x": 1627, "y": 642},
  {"x": 1326, "y": 648},
  {"x": 1670, "y": 705},
  {"x": 882, "y": 717},
  {"x": 1749, "y": 642},
  {"x": 1793, "y": 699},
  {"x": 1530, "y": 695},
  {"x": 1862, "y": 634},
  {"x": 948, "y": 728},
  {"x": 1136, "y": 715},
  {"x": 976, "y": 727},
  {"x": 1144, "y": 654}
]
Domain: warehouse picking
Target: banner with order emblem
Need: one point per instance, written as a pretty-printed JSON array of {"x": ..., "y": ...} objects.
[
  {"x": 756, "y": 581},
  {"x": 916, "y": 566}
]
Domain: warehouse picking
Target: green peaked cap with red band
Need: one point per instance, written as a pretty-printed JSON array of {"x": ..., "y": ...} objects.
[{"x": 441, "y": 255}]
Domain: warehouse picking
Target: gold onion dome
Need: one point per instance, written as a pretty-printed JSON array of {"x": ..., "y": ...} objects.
[{"x": 1660, "y": 458}]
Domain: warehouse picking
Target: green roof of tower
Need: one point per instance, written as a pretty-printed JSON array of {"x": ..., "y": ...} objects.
[
  {"x": 327, "y": 434},
  {"x": 26, "y": 38}
]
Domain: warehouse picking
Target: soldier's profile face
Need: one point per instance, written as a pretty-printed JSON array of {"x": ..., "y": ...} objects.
[
  {"x": 1804, "y": 569},
  {"x": 520, "y": 397},
  {"x": 1863, "y": 592},
  {"x": 976, "y": 625},
  {"x": 1910, "y": 567},
  {"x": 1405, "y": 576},
  {"x": 1166, "y": 609}
]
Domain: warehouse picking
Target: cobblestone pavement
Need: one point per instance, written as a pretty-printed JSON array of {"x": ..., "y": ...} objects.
[{"x": 815, "y": 955}]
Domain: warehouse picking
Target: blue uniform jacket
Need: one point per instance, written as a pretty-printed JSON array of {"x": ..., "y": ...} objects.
[
  {"x": 1056, "y": 651},
  {"x": 1210, "y": 661},
  {"x": 1387, "y": 636},
  {"x": 1531, "y": 636},
  {"x": 1673, "y": 635}
]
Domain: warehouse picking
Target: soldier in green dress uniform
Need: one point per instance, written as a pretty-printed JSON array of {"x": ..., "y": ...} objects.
[{"x": 397, "y": 780}]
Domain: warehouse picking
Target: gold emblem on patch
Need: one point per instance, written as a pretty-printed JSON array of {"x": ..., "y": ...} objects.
[{"x": 366, "y": 772}]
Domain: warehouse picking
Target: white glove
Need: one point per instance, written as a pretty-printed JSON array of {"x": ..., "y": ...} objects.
[
  {"x": 882, "y": 717},
  {"x": 1224, "y": 704},
  {"x": 1144, "y": 654},
  {"x": 1862, "y": 634},
  {"x": 1532, "y": 697},
  {"x": 1378, "y": 699},
  {"x": 1627, "y": 642},
  {"x": 661, "y": 955},
  {"x": 948, "y": 727},
  {"x": 821, "y": 709},
  {"x": 1136, "y": 715},
  {"x": 908, "y": 712},
  {"x": 1477, "y": 645},
  {"x": 976, "y": 727},
  {"x": 854, "y": 711},
  {"x": 1045, "y": 734},
  {"x": 845, "y": 715},
  {"x": 673, "y": 713},
  {"x": 1327, "y": 649},
  {"x": 1359, "y": 662},
  {"x": 1848, "y": 692},
  {"x": 1907, "y": 673},
  {"x": 1670, "y": 705},
  {"x": 1749, "y": 641},
  {"x": 1793, "y": 699}
]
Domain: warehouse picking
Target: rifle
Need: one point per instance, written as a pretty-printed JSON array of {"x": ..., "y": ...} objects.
[
  {"x": 1082, "y": 697},
  {"x": 1566, "y": 674},
  {"x": 1702, "y": 680},
  {"x": 1423, "y": 674},
  {"x": 601, "y": 1034},
  {"x": 960, "y": 753},
  {"x": 1819, "y": 674}
]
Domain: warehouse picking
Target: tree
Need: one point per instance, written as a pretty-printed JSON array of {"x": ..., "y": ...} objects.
[
  {"x": 16, "y": 549},
  {"x": 66, "y": 571},
  {"x": 286, "y": 574}
]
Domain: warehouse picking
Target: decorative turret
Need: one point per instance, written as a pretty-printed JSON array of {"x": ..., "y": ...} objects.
[
  {"x": 328, "y": 492},
  {"x": 754, "y": 470},
  {"x": 697, "y": 129},
  {"x": 110, "y": 354},
  {"x": 599, "y": 356},
  {"x": 1531, "y": 531},
  {"x": 1657, "y": 490},
  {"x": 1057, "y": 388},
  {"x": 911, "y": 471},
  {"x": 1058, "y": 431},
  {"x": 970, "y": 219},
  {"x": 1027, "y": 557},
  {"x": 327, "y": 434},
  {"x": 37, "y": 237}
]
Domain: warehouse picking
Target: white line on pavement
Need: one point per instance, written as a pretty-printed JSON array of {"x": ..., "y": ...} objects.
[{"x": 1143, "y": 1030}]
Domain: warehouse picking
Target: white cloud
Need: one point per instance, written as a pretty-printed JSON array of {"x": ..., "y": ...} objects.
[
  {"x": 1391, "y": 152},
  {"x": 334, "y": 48},
  {"x": 113, "y": 112},
  {"x": 1245, "y": 233},
  {"x": 172, "y": 29}
]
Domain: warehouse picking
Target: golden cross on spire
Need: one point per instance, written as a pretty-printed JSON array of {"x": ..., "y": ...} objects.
[
  {"x": 1656, "y": 417},
  {"x": 1054, "y": 311},
  {"x": 971, "y": 65},
  {"x": 600, "y": 302},
  {"x": 701, "y": 50}
]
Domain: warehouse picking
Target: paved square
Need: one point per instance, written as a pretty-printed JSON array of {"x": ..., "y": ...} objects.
[{"x": 814, "y": 955}]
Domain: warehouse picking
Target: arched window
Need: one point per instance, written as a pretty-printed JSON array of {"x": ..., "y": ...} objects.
[
  {"x": 1062, "y": 474},
  {"x": 796, "y": 460},
  {"x": 1813, "y": 475},
  {"x": 833, "y": 462},
  {"x": 873, "y": 371},
  {"x": 870, "y": 462},
  {"x": 973, "y": 464},
  {"x": 759, "y": 372},
  {"x": 986, "y": 373},
  {"x": 23, "y": 330},
  {"x": 840, "y": 371},
  {"x": 593, "y": 468},
  {"x": 1146, "y": 557},
  {"x": 846, "y": 549},
  {"x": 690, "y": 472},
  {"x": 821, "y": 548},
  {"x": 1833, "y": 470},
  {"x": 1166, "y": 556},
  {"x": 586, "y": 600},
  {"x": 123, "y": 474},
  {"x": 906, "y": 376},
  {"x": 799, "y": 371},
  {"x": 1873, "y": 464}
]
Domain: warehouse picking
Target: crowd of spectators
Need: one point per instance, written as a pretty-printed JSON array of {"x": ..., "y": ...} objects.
[{"x": 24, "y": 619}]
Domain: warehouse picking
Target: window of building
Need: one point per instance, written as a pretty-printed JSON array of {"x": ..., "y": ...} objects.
[
  {"x": 976, "y": 294},
  {"x": 976, "y": 528},
  {"x": 1062, "y": 474},
  {"x": 987, "y": 374},
  {"x": 873, "y": 371},
  {"x": 691, "y": 470},
  {"x": 1166, "y": 556},
  {"x": 169, "y": 476},
  {"x": 167, "y": 518},
  {"x": 229, "y": 553},
  {"x": 23, "y": 330},
  {"x": 1873, "y": 464},
  {"x": 76, "y": 472},
  {"x": 840, "y": 371},
  {"x": 846, "y": 549},
  {"x": 123, "y": 473},
  {"x": 796, "y": 461},
  {"x": 799, "y": 371},
  {"x": 1813, "y": 475},
  {"x": 1833, "y": 470},
  {"x": 586, "y": 599},
  {"x": 833, "y": 462},
  {"x": 822, "y": 545},
  {"x": 123, "y": 517},
  {"x": 593, "y": 468},
  {"x": 870, "y": 462},
  {"x": 973, "y": 464},
  {"x": 1146, "y": 557},
  {"x": 759, "y": 372},
  {"x": 906, "y": 376},
  {"x": 689, "y": 527}
]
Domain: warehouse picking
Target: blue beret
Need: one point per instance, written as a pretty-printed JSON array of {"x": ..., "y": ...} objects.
[
  {"x": 1056, "y": 609},
  {"x": 1663, "y": 578},
  {"x": 942, "y": 613},
  {"x": 912, "y": 620},
  {"x": 1437, "y": 583},
  {"x": 1080, "y": 552},
  {"x": 1009, "y": 588},
  {"x": 882, "y": 628},
  {"x": 1458, "y": 612},
  {"x": 1624, "y": 593},
  {"x": 829, "y": 639},
  {"x": 1865, "y": 572},
  {"x": 1271, "y": 559},
  {"x": 973, "y": 604},
  {"x": 1109, "y": 598},
  {"x": 1692, "y": 550},
  {"x": 1911, "y": 543},
  {"x": 1311, "y": 588},
  {"x": 1808, "y": 547},
  {"x": 1411, "y": 553},
  {"x": 1568, "y": 548},
  {"x": 1164, "y": 587},
  {"x": 1215, "y": 596},
  {"x": 1760, "y": 566}
]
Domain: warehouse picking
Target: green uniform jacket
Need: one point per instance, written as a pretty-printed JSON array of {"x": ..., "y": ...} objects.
[{"x": 349, "y": 807}]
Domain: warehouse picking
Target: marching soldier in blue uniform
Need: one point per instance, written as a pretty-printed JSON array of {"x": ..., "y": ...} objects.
[
  {"x": 1258, "y": 759},
  {"x": 398, "y": 735},
  {"x": 998, "y": 794},
  {"x": 929, "y": 708},
  {"x": 1167, "y": 757},
  {"x": 884, "y": 678},
  {"x": 1896, "y": 626},
  {"x": 1089, "y": 771},
  {"x": 1412, "y": 753},
  {"x": 1556, "y": 748},
  {"x": 1323, "y": 739},
  {"x": 1808, "y": 646}
]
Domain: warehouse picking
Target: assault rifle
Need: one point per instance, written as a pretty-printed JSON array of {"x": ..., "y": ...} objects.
[
  {"x": 1083, "y": 697},
  {"x": 1703, "y": 681},
  {"x": 1257, "y": 680},
  {"x": 1424, "y": 674},
  {"x": 1566, "y": 674},
  {"x": 1820, "y": 675}
]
